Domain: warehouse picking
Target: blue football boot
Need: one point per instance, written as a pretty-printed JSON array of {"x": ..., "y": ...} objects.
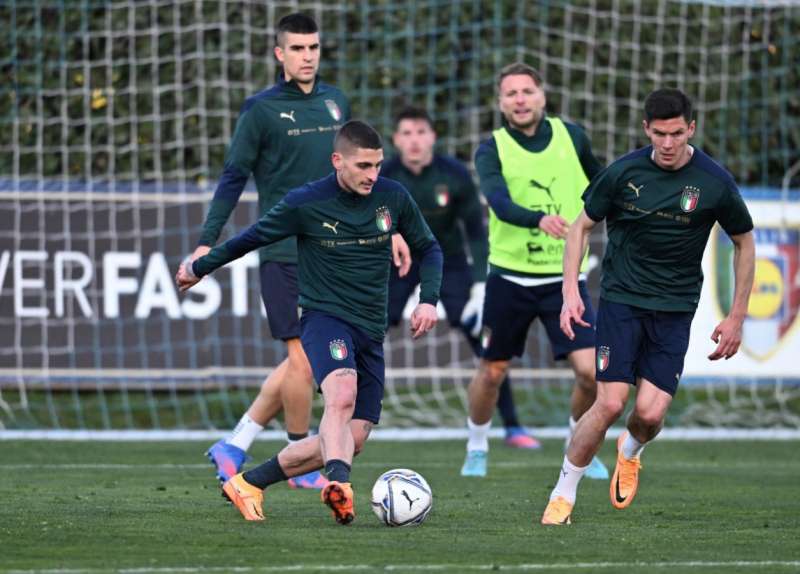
[
  {"x": 313, "y": 480},
  {"x": 597, "y": 470},
  {"x": 475, "y": 463},
  {"x": 227, "y": 459}
]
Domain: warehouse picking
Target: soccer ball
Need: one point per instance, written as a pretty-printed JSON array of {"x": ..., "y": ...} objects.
[{"x": 401, "y": 497}]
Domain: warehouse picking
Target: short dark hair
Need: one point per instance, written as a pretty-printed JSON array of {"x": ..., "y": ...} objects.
[
  {"x": 412, "y": 113},
  {"x": 667, "y": 103},
  {"x": 356, "y": 134},
  {"x": 295, "y": 23},
  {"x": 520, "y": 69}
]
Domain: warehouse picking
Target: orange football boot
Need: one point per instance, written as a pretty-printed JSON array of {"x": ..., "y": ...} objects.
[
  {"x": 339, "y": 497},
  {"x": 247, "y": 498},
  {"x": 625, "y": 480},
  {"x": 558, "y": 512}
]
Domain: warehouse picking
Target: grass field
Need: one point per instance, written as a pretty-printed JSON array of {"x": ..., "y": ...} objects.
[{"x": 154, "y": 508}]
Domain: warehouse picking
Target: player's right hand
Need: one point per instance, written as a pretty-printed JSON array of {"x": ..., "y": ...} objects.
[
  {"x": 423, "y": 319},
  {"x": 199, "y": 252},
  {"x": 185, "y": 277},
  {"x": 728, "y": 336},
  {"x": 572, "y": 312},
  {"x": 555, "y": 226}
]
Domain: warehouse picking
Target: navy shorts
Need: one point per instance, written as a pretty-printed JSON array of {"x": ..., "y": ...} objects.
[
  {"x": 279, "y": 293},
  {"x": 509, "y": 309},
  {"x": 332, "y": 343},
  {"x": 633, "y": 342},
  {"x": 454, "y": 292}
]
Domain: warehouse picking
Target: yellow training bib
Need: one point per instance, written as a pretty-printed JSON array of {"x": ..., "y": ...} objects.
[{"x": 551, "y": 181}]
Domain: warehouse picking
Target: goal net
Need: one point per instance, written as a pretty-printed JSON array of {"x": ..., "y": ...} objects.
[{"x": 113, "y": 123}]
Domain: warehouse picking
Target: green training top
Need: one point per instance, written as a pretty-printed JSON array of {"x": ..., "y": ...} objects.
[
  {"x": 344, "y": 248},
  {"x": 284, "y": 137},
  {"x": 448, "y": 199},
  {"x": 658, "y": 225}
]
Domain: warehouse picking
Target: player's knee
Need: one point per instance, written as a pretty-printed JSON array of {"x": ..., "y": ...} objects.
[
  {"x": 650, "y": 417},
  {"x": 340, "y": 403},
  {"x": 494, "y": 372},
  {"x": 339, "y": 390},
  {"x": 610, "y": 407},
  {"x": 584, "y": 378}
]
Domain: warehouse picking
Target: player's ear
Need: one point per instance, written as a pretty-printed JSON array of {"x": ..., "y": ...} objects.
[
  {"x": 692, "y": 126},
  {"x": 337, "y": 160},
  {"x": 278, "y": 51}
]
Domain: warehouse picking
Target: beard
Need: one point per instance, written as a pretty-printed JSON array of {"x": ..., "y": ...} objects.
[{"x": 536, "y": 117}]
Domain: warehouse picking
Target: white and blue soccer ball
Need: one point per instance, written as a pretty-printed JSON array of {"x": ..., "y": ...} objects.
[{"x": 401, "y": 497}]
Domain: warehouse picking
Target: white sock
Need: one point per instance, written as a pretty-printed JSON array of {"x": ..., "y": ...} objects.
[
  {"x": 478, "y": 436},
  {"x": 632, "y": 448},
  {"x": 572, "y": 423},
  {"x": 244, "y": 433},
  {"x": 568, "y": 480}
]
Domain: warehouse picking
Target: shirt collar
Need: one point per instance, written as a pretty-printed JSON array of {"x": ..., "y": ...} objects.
[{"x": 292, "y": 87}]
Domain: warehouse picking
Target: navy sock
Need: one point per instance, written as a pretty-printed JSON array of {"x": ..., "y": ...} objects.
[
  {"x": 295, "y": 436},
  {"x": 505, "y": 404},
  {"x": 268, "y": 473},
  {"x": 337, "y": 470}
]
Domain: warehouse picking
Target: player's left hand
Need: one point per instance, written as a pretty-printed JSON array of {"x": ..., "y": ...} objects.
[
  {"x": 728, "y": 336},
  {"x": 555, "y": 226},
  {"x": 572, "y": 312},
  {"x": 472, "y": 315},
  {"x": 401, "y": 254},
  {"x": 185, "y": 277},
  {"x": 423, "y": 319}
]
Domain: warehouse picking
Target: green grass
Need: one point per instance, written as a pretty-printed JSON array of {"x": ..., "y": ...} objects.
[{"x": 155, "y": 506}]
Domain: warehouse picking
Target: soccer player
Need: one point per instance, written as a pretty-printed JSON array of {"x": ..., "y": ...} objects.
[
  {"x": 532, "y": 171},
  {"x": 343, "y": 224},
  {"x": 284, "y": 137},
  {"x": 446, "y": 195},
  {"x": 660, "y": 203}
]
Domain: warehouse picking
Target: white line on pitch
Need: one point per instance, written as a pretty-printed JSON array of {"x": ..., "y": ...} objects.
[{"x": 541, "y": 566}]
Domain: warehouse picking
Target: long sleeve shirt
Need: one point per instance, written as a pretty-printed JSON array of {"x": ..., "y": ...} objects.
[
  {"x": 284, "y": 138},
  {"x": 344, "y": 247}
]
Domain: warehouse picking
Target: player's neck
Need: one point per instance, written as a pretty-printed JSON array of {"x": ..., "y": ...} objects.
[
  {"x": 349, "y": 192},
  {"x": 305, "y": 87},
  {"x": 528, "y": 130},
  {"x": 416, "y": 167},
  {"x": 686, "y": 158}
]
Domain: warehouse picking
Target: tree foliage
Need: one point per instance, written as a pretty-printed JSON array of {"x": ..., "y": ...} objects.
[{"x": 127, "y": 91}]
